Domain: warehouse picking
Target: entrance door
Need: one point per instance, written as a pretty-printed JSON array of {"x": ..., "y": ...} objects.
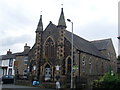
[{"x": 48, "y": 72}]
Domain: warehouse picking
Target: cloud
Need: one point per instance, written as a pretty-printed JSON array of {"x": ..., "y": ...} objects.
[
  {"x": 15, "y": 43},
  {"x": 93, "y": 19},
  {"x": 99, "y": 30},
  {"x": 13, "y": 40}
]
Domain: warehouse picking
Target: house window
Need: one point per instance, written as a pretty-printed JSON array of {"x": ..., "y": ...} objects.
[
  {"x": 49, "y": 48},
  {"x": 25, "y": 72},
  {"x": 25, "y": 60},
  {"x": 10, "y": 62},
  {"x": 10, "y": 71}
]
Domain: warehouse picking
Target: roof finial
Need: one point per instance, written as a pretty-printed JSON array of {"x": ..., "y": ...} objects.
[
  {"x": 40, "y": 12},
  {"x": 25, "y": 44},
  {"x": 62, "y": 5}
]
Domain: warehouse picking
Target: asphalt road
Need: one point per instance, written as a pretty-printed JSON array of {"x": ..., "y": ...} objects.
[{"x": 18, "y": 87}]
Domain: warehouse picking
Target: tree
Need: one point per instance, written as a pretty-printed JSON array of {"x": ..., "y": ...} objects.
[
  {"x": 108, "y": 81},
  {"x": 118, "y": 58}
]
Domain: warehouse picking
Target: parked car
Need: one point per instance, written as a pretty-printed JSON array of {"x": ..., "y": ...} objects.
[{"x": 7, "y": 79}]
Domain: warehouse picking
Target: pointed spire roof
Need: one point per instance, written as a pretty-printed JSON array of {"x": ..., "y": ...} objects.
[
  {"x": 40, "y": 24},
  {"x": 61, "y": 21}
]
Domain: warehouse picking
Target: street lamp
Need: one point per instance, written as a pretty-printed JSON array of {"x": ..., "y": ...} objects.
[{"x": 71, "y": 53}]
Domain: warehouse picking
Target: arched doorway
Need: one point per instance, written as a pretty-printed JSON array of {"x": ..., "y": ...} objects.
[
  {"x": 48, "y": 72},
  {"x": 68, "y": 73}
]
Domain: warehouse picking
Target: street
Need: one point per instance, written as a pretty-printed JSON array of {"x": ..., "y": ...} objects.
[{"x": 19, "y": 87}]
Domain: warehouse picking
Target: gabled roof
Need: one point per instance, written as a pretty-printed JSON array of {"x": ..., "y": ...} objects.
[
  {"x": 51, "y": 30},
  {"x": 11, "y": 56},
  {"x": 21, "y": 53},
  {"x": 51, "y": 26},
  {"x": 101, "y": 44},
  {"x": 83, "y": 45},
  {"x": 78, "y": 42}
]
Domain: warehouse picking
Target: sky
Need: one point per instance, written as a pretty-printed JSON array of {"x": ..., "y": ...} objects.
[{"x": 92, "y": 20}]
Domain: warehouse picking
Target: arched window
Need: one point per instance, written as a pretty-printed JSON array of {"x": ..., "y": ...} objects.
[
  {"x": 69, "y": 65},
  {"x": 83, "y": 64},
  {"x": 49, "y": 48},
  {"x": 90, "y": 65}
]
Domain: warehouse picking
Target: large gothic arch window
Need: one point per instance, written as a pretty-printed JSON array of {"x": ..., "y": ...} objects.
[{"x": 50, "y": 48}]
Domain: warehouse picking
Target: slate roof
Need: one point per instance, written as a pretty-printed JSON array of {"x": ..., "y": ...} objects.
[
  {"x": 51, "y": 29},
  {"x": 11, "y": 56},
  {"x": 101, "y": 44},
  {"x": 83, "y": 45},
  {"x": 80, "y": 43},
  {"x": 19, "y": 54}
]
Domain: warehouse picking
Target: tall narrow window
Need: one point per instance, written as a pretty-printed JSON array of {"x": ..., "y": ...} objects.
[
  {"x": 49, "y": 48},
  {"x": 69, "y": 66},
  {"x": 90, "y": 65},
  {"x": 83, "y": 64},
  {"x": 25, "y": 72},
  {"x": 25, "y": 60},
  {"x": 10, "y": 71},
  {"x": 10, "y": 62},
  {"x": 102, "y": 67}
]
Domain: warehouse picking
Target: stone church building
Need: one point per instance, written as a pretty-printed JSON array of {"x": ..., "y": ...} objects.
[{"x": 50, "y": 56}]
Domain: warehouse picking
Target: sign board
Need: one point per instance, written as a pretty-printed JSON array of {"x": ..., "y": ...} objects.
[
  {"x": 75, "y": 67},
  {"x": 57, "y": 67},
  {"x": 34, "y": 67}
]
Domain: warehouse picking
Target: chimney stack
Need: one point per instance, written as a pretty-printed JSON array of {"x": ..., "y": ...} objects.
[
  {"x": 9, "y": 52},
  {"x": 26, "y": 48}
]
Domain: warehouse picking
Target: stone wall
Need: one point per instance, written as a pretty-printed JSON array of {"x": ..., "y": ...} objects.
[
  {"x": 91, "y": 65},
  {"x": 21, "y": 66}
]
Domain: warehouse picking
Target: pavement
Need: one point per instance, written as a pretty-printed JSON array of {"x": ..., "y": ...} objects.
[{"x": 19, "y": 87}]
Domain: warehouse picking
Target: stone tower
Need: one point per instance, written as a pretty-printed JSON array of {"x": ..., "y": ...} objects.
[
  {"x": 60, "y": 48},
  {"x": 38, "y": 46}
]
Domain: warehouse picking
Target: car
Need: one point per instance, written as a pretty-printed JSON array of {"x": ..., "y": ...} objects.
[{"x": 8, "y": 79}]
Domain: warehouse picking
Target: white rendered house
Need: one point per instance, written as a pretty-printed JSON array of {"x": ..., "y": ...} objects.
[{"x": 7, "y": 64}]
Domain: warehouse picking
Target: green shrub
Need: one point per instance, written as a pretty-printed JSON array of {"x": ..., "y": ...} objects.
[{"x": 108, "y": 81}]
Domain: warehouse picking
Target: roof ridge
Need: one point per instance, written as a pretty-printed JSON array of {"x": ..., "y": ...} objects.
[
  {"x": 101, "y": 40},
  {"x": 50, "y": 23}
]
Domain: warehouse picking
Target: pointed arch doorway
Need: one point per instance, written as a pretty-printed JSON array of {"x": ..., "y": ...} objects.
[{"x": 48, "y": 72}]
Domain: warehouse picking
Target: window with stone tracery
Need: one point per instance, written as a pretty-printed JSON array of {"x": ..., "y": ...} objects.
[{"x": 49, "y": 48}]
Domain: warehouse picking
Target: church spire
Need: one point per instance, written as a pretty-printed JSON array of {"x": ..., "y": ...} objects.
[
  {"x": 40, "y": 25},
  {"x": 61, "y": 21}
]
